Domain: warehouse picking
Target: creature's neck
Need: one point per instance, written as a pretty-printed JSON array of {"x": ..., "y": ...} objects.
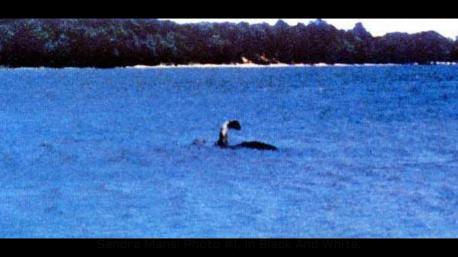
[{"x": 223, "y": 139}]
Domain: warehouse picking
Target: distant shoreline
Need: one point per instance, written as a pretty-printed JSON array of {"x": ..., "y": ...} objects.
[
  {"x": 238, "y": 65},
  {"x": 111, "y": 43},
  {"x": 279, "y": 65}
]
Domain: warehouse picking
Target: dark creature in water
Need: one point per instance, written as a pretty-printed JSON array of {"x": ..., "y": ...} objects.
[{"x": 224, "y": 137}]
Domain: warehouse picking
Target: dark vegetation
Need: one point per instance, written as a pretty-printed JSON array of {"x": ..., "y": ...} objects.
[{"x": 126, "y": 42}]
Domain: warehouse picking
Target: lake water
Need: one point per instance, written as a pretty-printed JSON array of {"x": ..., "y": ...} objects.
[{"x": 364, "y": 152}]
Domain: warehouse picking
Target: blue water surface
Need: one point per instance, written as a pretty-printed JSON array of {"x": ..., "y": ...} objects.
[{"x": 364, "y": 152}]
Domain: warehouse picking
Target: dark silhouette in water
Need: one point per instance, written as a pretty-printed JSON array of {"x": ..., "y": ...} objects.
[{"x": 223, "y": 140}]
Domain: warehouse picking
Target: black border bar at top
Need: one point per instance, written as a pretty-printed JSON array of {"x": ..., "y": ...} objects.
[{"x": 226, "y": 9}]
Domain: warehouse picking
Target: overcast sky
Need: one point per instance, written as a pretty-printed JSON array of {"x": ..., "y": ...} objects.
[{"x": 377, "y": 27}]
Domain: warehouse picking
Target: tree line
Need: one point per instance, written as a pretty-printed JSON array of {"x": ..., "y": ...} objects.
[{"x": 126, "y": 42}]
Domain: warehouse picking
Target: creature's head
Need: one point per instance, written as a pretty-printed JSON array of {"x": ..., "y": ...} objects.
[
  {"x": 223, "y": 134},
  {"x": 234, "y": 124}
]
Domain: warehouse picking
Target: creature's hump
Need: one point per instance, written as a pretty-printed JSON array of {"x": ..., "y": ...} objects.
[{"x": 258, "y": 145}]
